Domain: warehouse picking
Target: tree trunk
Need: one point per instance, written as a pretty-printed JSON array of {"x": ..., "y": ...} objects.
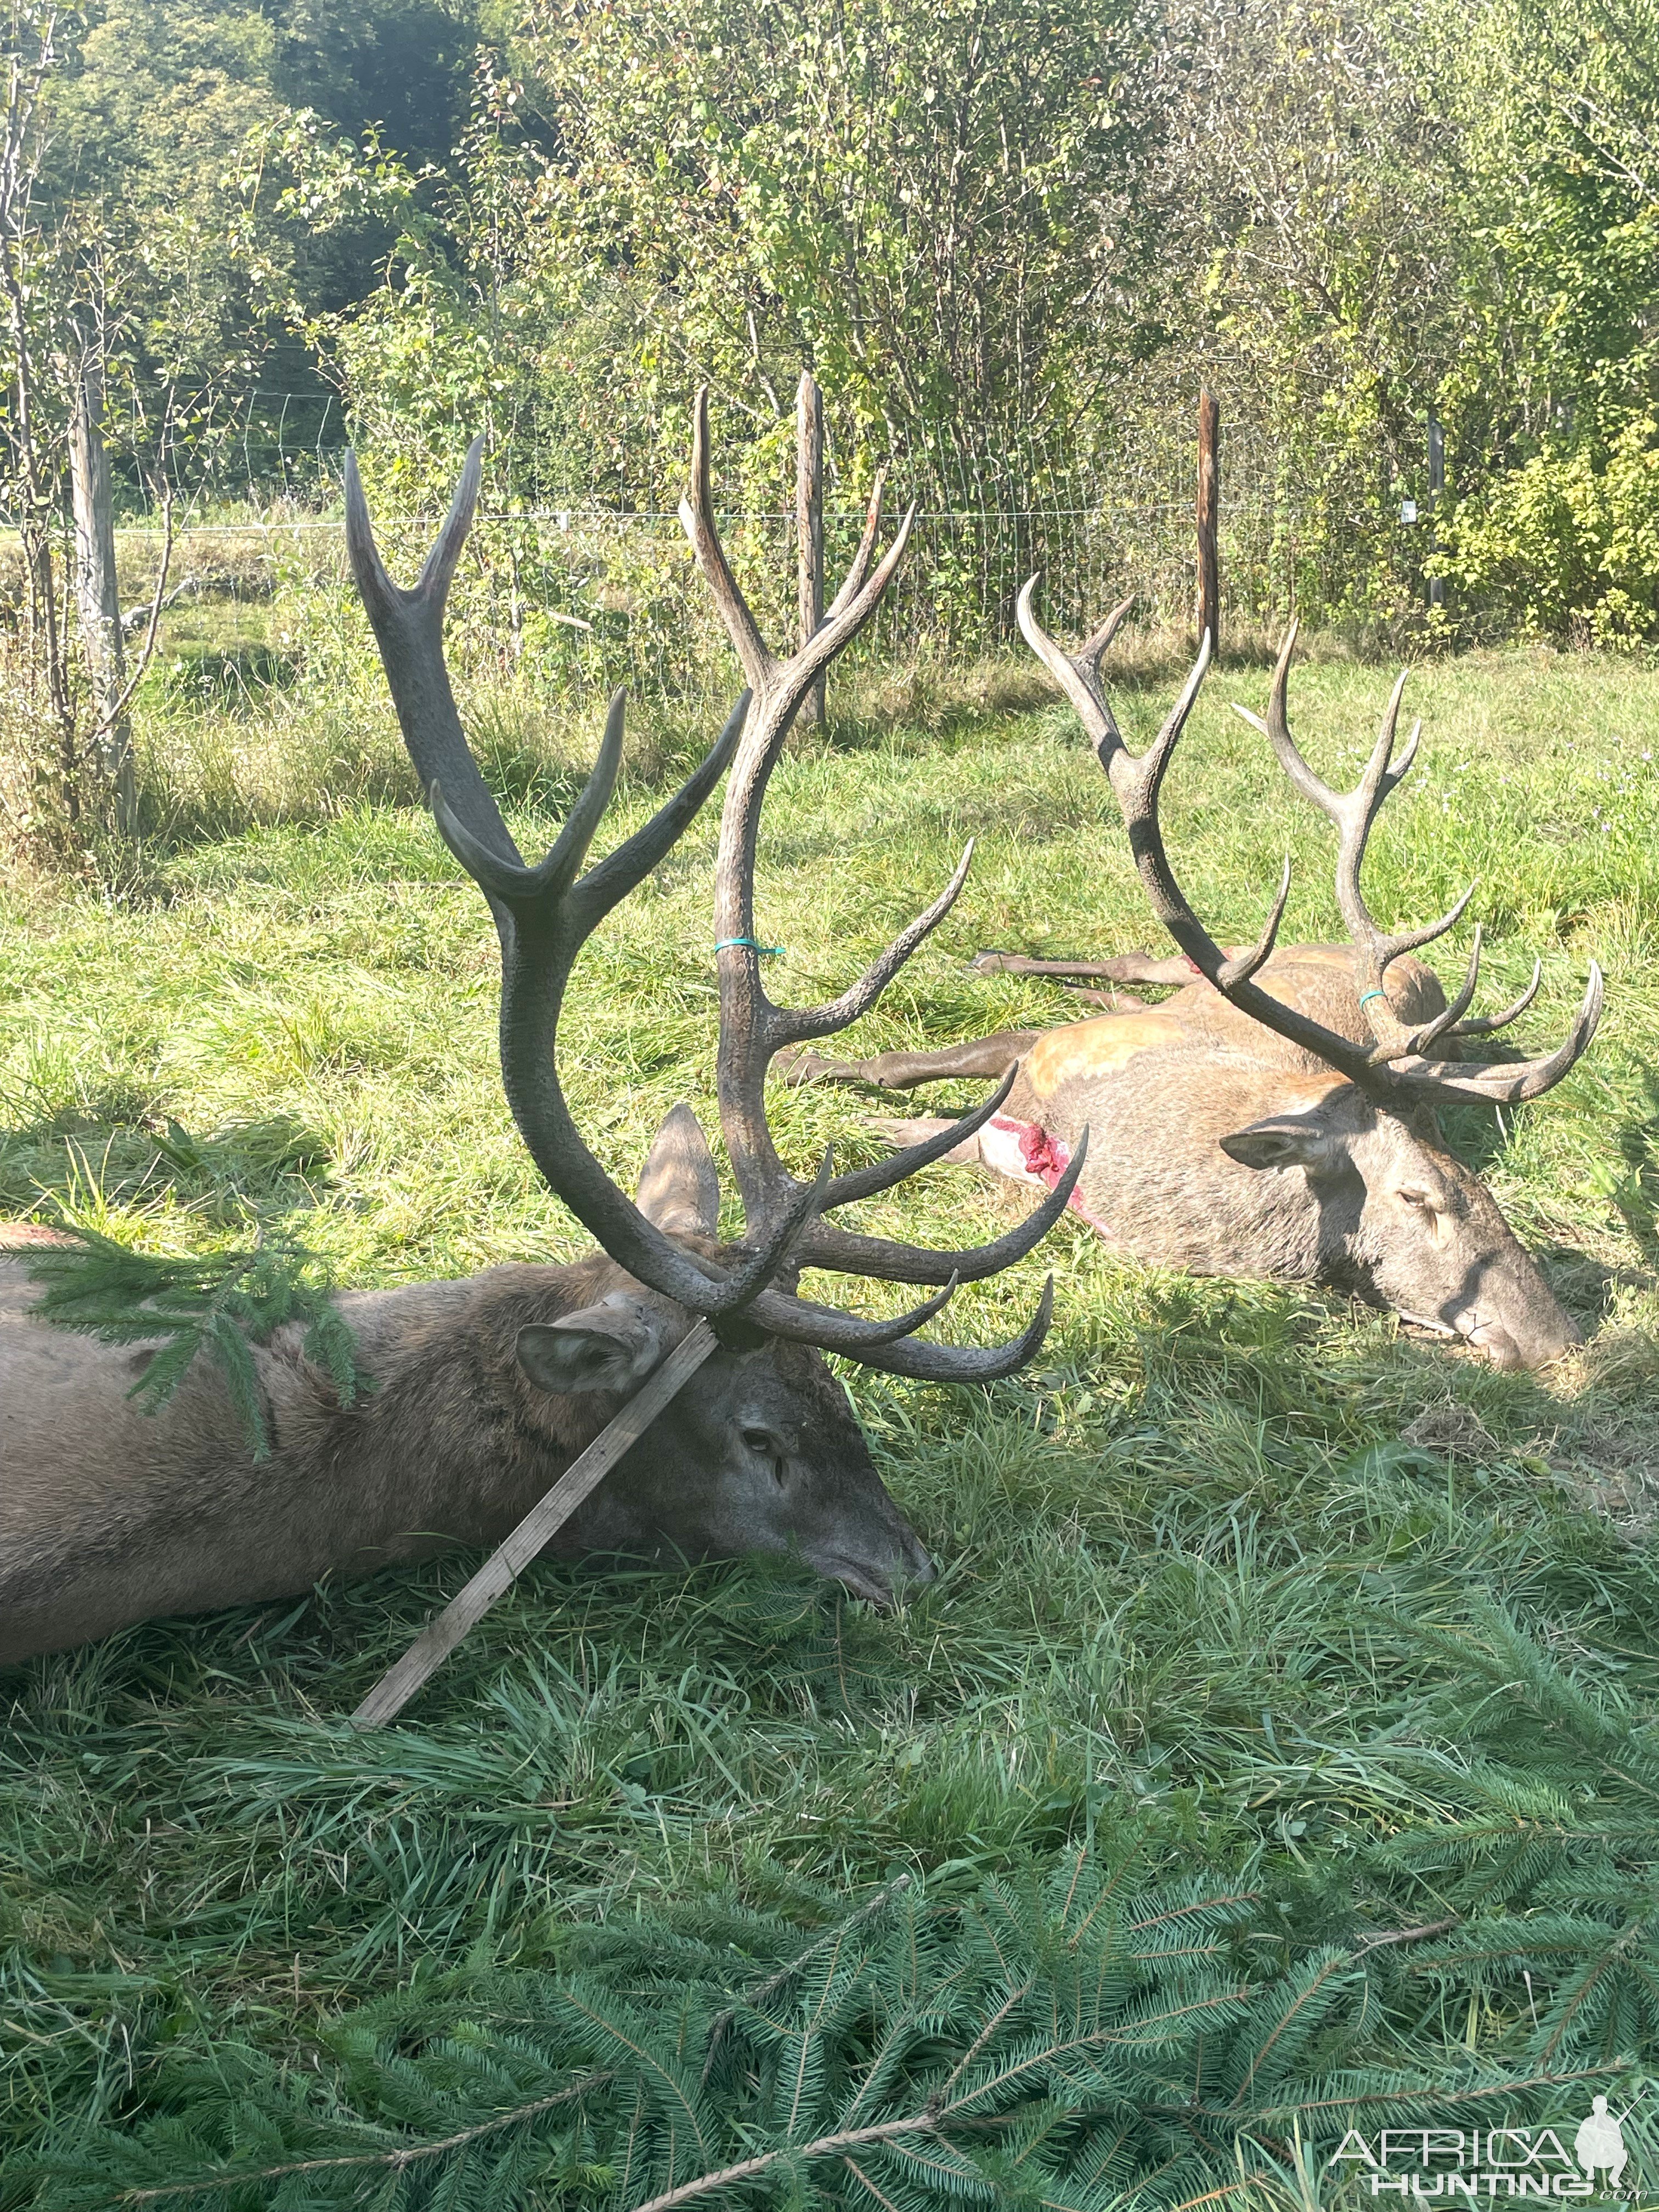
[
  {"x": 46, "y": 651},
  {"x": 97, "y": 598}
]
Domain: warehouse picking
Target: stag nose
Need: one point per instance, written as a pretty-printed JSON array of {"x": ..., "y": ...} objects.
[
  {"x": 1543, "y": 1346},
  {"x": 919, "y": 1567},
  {"x": 1530, "y": 1339},
  {"x": 1535, "y": 1348},
  {"x": 1499, "y": 1346}
]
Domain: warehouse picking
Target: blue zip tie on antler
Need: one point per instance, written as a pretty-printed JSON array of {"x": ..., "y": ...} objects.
[
  {"x": 765, "y": 951},
  {"x": 1371, "y": 995}
]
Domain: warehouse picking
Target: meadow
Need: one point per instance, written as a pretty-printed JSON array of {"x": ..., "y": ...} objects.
[{"x": 1310, "y": 1635}]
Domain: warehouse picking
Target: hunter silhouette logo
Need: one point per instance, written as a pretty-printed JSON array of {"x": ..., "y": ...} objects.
[
  {"x": 1457, "y": 2166},
  {"x": 1600, "y": 2144}
]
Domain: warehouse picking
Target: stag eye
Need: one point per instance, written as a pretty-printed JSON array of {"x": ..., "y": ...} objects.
[
  {"x": 1414, "y": 1194},
  {"x": 766, "y": 1446}
]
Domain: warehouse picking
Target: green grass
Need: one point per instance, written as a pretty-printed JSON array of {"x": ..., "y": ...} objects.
[{"x": 1234, "y": 1569}]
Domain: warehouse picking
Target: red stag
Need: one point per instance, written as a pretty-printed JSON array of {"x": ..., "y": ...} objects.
[
  {"x": 1276, "y": 1117},
  {"x": 483, "y": 1390}
]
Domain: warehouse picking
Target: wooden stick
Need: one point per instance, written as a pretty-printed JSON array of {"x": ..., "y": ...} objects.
[
  {"x": 809, "y": 528},
  {"x": 501, "y": 1569},
  {"x": 1209, "y": 512}
]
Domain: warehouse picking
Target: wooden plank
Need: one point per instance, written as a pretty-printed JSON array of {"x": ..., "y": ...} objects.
[
  {"x": 1209, "y": 517},
  {"x": 509, "y": 1560},
  {"x": 809, "y": 525}
]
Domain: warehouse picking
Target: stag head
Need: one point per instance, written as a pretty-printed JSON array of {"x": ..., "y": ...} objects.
[{"x": 760, "y": 1450}]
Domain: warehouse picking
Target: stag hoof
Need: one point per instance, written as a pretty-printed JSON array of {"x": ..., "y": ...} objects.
[{"x": 803, "y": 1067}]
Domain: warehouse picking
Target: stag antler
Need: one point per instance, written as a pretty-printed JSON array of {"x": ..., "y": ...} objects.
[
  {"x": 753, "y": 1029},
  {"x": 1395, "y": 1069},
  {"x": 542, "y": 917}
]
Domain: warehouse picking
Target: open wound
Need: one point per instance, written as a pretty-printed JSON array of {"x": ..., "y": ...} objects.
[{"x": 1026, "y": 1153}]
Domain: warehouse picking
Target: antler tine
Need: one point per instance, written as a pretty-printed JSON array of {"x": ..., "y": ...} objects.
[
  {"x": 697, "y": 518},
  {"x": 800, "y": 1024},
  {"x": 407, "y": 628},
  {"x": 897, "y": 1166},
  {"x": 950, "y": 1363},
  {"x": 1445, "y": 1023},
  {"x": 1508, "y": 1083},
  {"x": 887, "y": 1345},
  {"x": 754, "y": 1029},
  {"x": 1090, "y": 654},
  {"x": 824, "y": 1244},
  {"x": 1077, "y": 677},
  {"x": 1243, "y": 965},
  {"x": 1143, "y": 774},
  {"x": 1484, "y": 1025},
  {"x": 853, "y": 582}
]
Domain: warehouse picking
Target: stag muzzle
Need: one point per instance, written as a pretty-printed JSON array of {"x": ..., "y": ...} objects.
[
  {"x": 1537, "y": 1341},
  {"x": 877, "y": 1577}
]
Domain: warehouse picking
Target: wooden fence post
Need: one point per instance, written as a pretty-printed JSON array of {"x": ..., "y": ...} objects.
[
  {"x": 809, "y": 524},
  {"x": 1209, "y": 506},
  {"x": 97, "y": 597}
]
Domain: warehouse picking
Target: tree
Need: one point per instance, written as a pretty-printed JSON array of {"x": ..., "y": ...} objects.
[
  {"x": 943, "y": 209},
  {"x": 54, "y": 273}
]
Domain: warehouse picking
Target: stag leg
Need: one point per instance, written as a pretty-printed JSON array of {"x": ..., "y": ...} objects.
[
  {"x": 990, "y": 1056},
  {"x": 1121, "y": 967}
]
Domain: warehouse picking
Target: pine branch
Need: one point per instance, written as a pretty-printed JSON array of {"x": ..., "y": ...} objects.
[
  {"x": 407, "y": 2154},
  {"x": 830, "y": 1941},
  {"x": 218, "y": 1301},
  {"x": 930, "y": 2056},
  {"x": 825, "y": 2146}
]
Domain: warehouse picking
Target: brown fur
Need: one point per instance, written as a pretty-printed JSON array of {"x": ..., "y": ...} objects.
[
  {"x": 109, "y": 1514},
  {"x": 1216, "y": 1146}
]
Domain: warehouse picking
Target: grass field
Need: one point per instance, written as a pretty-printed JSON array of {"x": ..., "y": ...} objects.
[{"x": 1242, "y": 1587}]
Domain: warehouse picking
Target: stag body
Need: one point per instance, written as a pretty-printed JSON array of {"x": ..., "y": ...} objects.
[
  {"x": 1219, "y": 1147},
  {"x": 1275, "y": 1117},
  {"x": 483, "y": 1390}
]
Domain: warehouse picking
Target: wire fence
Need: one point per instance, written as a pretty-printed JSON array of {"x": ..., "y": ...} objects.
[{"x": 587, "y": 588}]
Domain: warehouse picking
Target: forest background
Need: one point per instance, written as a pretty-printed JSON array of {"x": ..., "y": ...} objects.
[{"x": 1010, "y": 237}]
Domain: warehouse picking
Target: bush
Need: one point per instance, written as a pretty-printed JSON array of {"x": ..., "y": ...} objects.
[{"x": 1567, "y": 545}]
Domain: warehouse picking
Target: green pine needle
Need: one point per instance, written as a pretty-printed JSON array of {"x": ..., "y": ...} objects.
[
  {"x": 1024, "y": 2048},
  {"x": 218, "y": 1301}
]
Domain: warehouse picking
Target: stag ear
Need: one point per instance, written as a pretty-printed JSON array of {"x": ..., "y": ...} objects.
[
  {"x": 1286, "y": 1141},
  {"x": 680, "y": 1190},
  {"x": 613, "y": 1345}
]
